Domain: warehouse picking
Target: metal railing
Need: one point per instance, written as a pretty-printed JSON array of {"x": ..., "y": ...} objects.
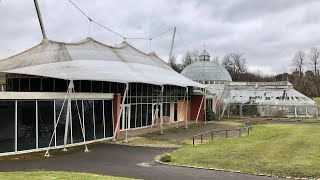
[{"x": 247, "y": 129}]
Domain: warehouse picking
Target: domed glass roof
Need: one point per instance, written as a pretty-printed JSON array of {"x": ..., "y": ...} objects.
[
  {"x": 204, "y": 56},
  {"x": 206, "y": 71}
]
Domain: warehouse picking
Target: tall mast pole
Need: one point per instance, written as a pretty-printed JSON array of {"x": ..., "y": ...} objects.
[
  {"x": 44, "y": 36},
  {"x": 172, "y": 42}
]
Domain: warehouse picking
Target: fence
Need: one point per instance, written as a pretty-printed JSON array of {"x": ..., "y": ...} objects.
[{"x": 226, "y": 132}]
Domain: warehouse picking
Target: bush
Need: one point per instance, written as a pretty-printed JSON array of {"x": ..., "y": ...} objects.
[
  {"x": 166, "y": 157},
  {"x": 210, "y": 115}
]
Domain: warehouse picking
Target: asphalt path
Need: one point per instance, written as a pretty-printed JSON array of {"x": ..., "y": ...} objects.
[{"x": 119, "y": 160}]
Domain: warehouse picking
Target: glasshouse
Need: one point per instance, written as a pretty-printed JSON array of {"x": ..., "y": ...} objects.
[{"x": 227, "y": 98}]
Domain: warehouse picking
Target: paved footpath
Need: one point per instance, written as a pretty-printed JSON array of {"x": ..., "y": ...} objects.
[{"x": 119, "y": 160}]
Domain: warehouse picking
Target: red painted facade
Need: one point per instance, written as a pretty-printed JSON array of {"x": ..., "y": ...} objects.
[{"x": 195, "y": 103}]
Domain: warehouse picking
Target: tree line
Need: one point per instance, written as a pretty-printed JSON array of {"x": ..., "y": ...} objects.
[{"x": 304, "y": 75}]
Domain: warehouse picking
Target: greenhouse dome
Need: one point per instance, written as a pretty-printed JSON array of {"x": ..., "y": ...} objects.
[{"x": 206, "y": 70}]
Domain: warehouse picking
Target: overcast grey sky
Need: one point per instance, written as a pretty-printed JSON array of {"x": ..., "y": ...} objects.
[{"x": 267, "y": 32}]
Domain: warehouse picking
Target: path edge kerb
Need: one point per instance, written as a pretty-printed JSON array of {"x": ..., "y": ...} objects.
[{"x": 158, "y": 161}]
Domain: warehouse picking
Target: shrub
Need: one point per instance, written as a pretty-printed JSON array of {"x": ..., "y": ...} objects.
[
  {"x": 166, "y": 157},
  {"x": 210, "y": 115}
]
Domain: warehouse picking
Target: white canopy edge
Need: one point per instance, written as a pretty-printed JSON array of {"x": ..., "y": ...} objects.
[{"x": 114, "y": 71}]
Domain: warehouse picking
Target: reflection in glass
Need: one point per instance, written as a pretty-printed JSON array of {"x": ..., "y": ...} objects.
[
  {"x": 133, "y": 116},
  {"x": 7, "y": 126},
  {"x": 62, "y": 122},
  {"x": 88, "y": 119},
  {"x": 98, "y": 116},
  {"x": 26, "y": 125},
  {"x": 144, "y": 114},
  {"x": 108, "y": 118},
  {"x": 76, "y": 127},
  {"x": 45, "y": 123}
]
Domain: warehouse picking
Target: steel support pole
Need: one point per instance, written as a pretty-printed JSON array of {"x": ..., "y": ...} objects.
[
  {"x": 54, "y": 134},
  {"x": 187, "y": 93},
  {"x": 172, "y": 42},
  {"x": 66, "y": 130},
  {"x": 44, "y": 36},
  {"x": 161, "y": 110}
]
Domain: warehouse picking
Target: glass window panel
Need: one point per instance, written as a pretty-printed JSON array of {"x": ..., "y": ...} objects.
[
  {"x": 121, "y": 88},
  {"x": 166, "y": 109},
  {"x": 60, "y": 85},
  {"x": 133, "y": 116},
  {"x": 88, "y": 119},
  {"x": 144, "y": 115},
  {"x": 24, "y": 84},
  {"x": 61, "y": 122},
  {"x": 139, "y": 89},
  {"x": 35, "y": 84},
  {"x": 16, "y": 84},
  {"x": 144, "y": 99},
  {"x": 114, "y": 87},
  {"x": 96, "y": 86},
  {"x": 26, "y": 125},
  {"x": 77, "y": 85},
  {"x": 108, "y": 118},
  {"x": 139, "y": 116},
  {"x": 47, "y": 84},
  {"x": 144, "y": 89},
  {"x": 85, "y": 86},
  {"x": 76, "y": 127},
  {"x": 7, "y": 126},
  {"x": 164, "y": 90},
  {"x": 149, "y": 114},
  {"x": 133, "y": 89},
  {"x": 133, "y": 99},
  {"x": 106, "y": 87},
  {"x": 98, "y": 114},
  {"x": 149, "y": 90},
  {"x": 45, "y": 123},
  {"x": 9, "y": 85}
]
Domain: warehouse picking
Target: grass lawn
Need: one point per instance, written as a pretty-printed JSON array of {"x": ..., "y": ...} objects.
[
  {"x": 49, "y": 175},
  {"x": 276, "y": 149}
]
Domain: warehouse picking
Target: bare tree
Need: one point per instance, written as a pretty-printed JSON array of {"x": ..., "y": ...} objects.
[
  {"x": 314, "y": 57},
  {"x": 189, "y": 58},
  {"x": 235, "y": 63},
  {"x": 298, "y": 61},
  {"x": 173, "y": 64},
  {"x": 216, "y": 58}
]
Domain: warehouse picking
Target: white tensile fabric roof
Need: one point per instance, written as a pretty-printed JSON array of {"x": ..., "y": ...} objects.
[{"x": 92, "y": 60}]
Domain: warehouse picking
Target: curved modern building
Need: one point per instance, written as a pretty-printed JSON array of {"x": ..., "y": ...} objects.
[{"x": 74, "y": 93}]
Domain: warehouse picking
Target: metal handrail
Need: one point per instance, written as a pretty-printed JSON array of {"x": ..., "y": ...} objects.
[{"x": 248, "y": 128}]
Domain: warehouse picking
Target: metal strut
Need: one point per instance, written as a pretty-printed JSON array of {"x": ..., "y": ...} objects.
[
  {"x": 172, "y": 42},
  {"x": 156, "y": 111},
  {"x": 68, "y": 120},
  {"x": 44, "y": 36}
]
